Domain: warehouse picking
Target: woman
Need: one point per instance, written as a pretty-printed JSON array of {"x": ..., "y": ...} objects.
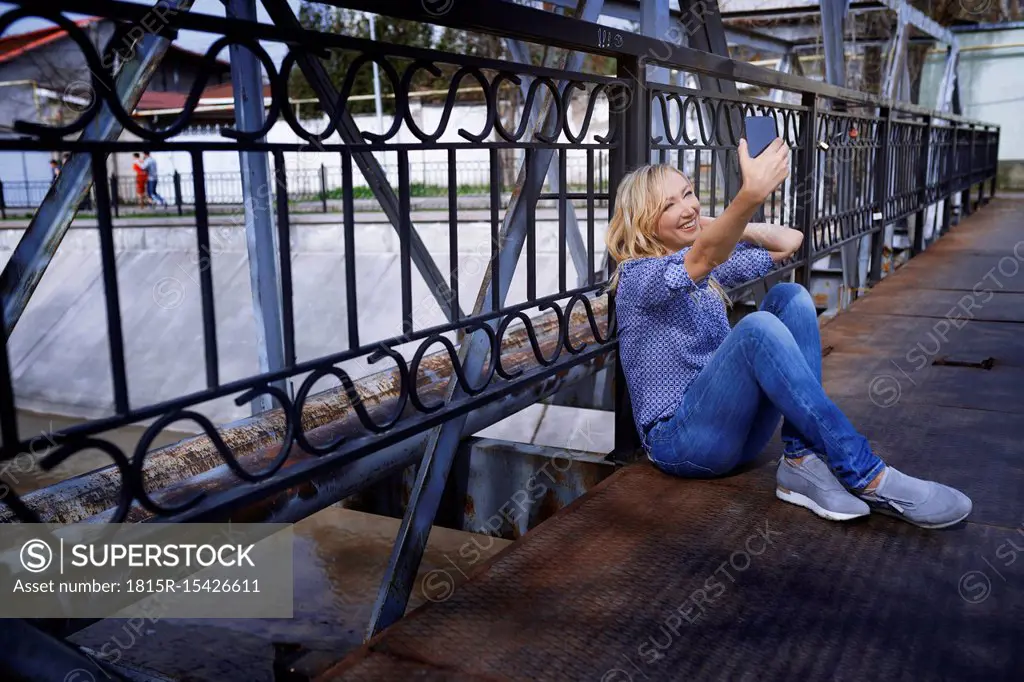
[
  {"x": 707, "y": 398},
  {"x": 141, "y": 179}
]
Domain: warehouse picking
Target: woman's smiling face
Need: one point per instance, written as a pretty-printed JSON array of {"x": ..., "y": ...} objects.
[{"x": 679, "y": 222}]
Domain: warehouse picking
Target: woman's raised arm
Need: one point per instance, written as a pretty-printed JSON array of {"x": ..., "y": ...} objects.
[{"x": 761, "y": 176}]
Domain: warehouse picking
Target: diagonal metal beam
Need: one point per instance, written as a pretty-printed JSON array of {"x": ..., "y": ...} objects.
[
  {"x": 444, "y": 440},
  {"x": 787, "y": 64},
  {"x": 920, "y": 20},
  {"x": 35, "y": 250},
  {"x": 944, "y": 99},
  {"x": 281, "y": 14},
  {"x": 897, "y": 57}
]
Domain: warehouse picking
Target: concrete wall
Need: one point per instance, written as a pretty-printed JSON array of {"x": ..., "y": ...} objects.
[{"x": 59, "y": 353}]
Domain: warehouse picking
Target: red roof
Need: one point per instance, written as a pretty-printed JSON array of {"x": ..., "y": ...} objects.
[
  {"x": 151, "y": 101},
  {"x": 14, "y": 46},
  {"x": 161, "y": 100}
]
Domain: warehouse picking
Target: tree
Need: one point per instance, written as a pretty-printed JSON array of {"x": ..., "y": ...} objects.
[
  {"x": 428, "y": 87},
  {"x": 317, "y": 17}
]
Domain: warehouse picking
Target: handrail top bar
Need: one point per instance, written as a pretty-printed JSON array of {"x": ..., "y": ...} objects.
[{"x": 535, "y": 25}]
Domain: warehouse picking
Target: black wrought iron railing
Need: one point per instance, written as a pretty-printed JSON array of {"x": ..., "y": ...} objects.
[
  {"x": 860, "y": 163},
  {"x": 864, "y": 163}
]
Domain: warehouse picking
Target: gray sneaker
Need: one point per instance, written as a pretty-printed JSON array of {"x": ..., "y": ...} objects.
[
  {"x": 923, "y": 503},
  {"x": 810, "y": 484}
]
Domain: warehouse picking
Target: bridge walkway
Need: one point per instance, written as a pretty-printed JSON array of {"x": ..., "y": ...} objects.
[{"x": 648, "y": 577}]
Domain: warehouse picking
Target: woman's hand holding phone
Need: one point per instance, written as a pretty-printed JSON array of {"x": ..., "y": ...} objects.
[{"x": 765, "y": 172}]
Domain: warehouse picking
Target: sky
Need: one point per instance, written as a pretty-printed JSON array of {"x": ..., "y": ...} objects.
[{"x": 190, "y": 40}]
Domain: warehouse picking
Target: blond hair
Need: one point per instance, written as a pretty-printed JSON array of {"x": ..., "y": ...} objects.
[{"x": 633, "y": 229}]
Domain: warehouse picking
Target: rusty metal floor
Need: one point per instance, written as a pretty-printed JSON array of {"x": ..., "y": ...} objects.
[{"x": 653, "y": 578}]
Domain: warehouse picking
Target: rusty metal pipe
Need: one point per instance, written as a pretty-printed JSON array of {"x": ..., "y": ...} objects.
[{"x": 180, "y": 469}]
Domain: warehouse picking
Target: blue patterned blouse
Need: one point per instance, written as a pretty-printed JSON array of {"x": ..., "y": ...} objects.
[{"x": 669, "y": 326}]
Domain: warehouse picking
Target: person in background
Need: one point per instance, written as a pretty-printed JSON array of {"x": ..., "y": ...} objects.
[
  {"x": 149, "y": 164},
  {"x": 141, "y": 179},
  {"x": 55, "y": 168}
]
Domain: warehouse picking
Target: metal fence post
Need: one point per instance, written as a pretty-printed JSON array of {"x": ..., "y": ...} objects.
[
  {"x": 3, "y": 202},
  {"x": 806, "y": 183},
  {"x": 922, "y": 187},
  {"x": 631, "y": 121},
  {"x": 323, "y": 186},
  {"x": 177, "y": 191},
  {"x": 880, "y": 193},
  {"x": 115, "y": 195},
  {"x": 965, "y": 194},
  {"x": 946, "y": 181},
  {"x": 994, "y": 167},
  {"x": 982, "y": 165}
]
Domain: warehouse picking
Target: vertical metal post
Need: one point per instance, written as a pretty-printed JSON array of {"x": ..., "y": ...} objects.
[
  {"x": 115, "y": 337},
  {"x": 951, "y": 172},
  {"x": 247, "y": 84},
  {"x": 982, "y": 167},
  {"x": 807, "y": 187},
  {"x": 922, "y": 187},
  {"x": 632, "y": 124},
  {"x": 994, "y": 161},
  {"x": 965, "y": 196},
  {"x": 655, "y": 22},
  {"x": 323, "y": 186},
  {"x": 3, "y": 203},
  {"x": 881, "y": 192},
  {"x": 177, "y": 191},
  {"x": 115, "y": 198}
]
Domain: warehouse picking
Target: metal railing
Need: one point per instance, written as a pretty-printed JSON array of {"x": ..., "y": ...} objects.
[
  {"x": 860, "y": 163},
  {"x": 323, "y": 186}
]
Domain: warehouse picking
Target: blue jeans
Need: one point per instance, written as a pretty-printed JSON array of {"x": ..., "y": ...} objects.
[
  {"x": 768, "y": 367},
  {"x": 151, "y": 190}
]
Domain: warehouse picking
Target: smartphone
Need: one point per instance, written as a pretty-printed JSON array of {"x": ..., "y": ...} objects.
[{"x": 761, "y": 131}]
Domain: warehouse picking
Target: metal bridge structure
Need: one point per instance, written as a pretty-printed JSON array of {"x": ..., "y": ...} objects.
[{"x": 862, "y": 164}]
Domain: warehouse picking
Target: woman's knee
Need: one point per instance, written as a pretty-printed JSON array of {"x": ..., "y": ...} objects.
[
  {"x": 760, "y": 323},
  {"x": 763, "y": 327},
  {"x": 785, "y": 294}
]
